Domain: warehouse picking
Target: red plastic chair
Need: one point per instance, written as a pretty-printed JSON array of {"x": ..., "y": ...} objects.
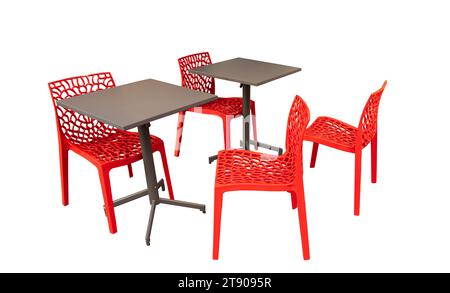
[
  {"x": 342, "y": 136},
  {"x": 225, "y": 108},
  {"x": 247, "y": 170},
  {"x": 104, "y": 146}
]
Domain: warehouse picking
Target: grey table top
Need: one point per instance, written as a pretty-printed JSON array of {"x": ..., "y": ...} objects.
[
  {"x": 245, "y": 71},
  {"x": 134, "y": 104}
]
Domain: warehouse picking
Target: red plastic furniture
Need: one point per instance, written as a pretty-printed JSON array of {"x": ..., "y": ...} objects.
[
  {"x": 342, "y": 136},
  {"x": 247, "y": 170},
  {"x": 225, "y": 108},
  {"x": 103, "y": 145}
]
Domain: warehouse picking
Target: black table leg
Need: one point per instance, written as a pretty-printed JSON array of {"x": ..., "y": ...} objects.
[
  {"x": 150, "y": 223},
  {"x": 150, "y": 174},
  {"x": 152, "y": 184},
  {"x": 246, "y": 115},
  {"x": 245, "y": 120},
  {"x": 246, "y": 142}
]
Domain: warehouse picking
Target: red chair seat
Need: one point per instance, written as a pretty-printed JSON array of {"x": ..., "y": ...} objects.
[
  {"x": 223, "y": 107},
  {"x": 333, "y": 133},
  {"x": 118, "y": 146},
  {"x": 242, "y": 168}
]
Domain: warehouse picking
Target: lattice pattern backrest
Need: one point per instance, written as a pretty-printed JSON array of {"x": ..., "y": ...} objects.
[
  {"x": 195, "y": 81},
  {"x": 296, "y": 126},
  {"x": 78, "y": 128},
  {"x": 368, "y": 122}
]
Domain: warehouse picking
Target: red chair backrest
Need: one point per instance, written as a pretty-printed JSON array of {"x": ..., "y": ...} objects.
[
  {"x": 194, "y": 81},
  {"x": 368, "y": 123},
  {"x": 297, "y": 122},
  {"x": 75, "y": 127}
]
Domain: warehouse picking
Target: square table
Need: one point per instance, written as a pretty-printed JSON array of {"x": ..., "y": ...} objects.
[
  {"x": 136, "y": 105},
  {"x": 247, "y": 72}
]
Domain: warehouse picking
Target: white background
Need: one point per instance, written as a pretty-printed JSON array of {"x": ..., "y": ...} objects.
[{"x": 346, "y": 50}]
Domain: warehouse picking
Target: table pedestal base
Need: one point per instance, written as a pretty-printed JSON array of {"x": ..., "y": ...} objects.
[
  {"x": 246, "y": 141},
  {"x": 152, "y": 184},
  {"x": 179, "y": 203},
  {"x": 266, "y": 146},
  {"x": 279, "y": 150},
  {"x": 154, "y": 203}
]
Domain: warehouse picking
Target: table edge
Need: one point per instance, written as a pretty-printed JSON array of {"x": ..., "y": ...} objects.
[
  {"x": 295, "y": 70},
  {"x": 136, "y": 124}
]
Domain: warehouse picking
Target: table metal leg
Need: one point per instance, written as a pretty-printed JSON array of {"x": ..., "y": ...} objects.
[
  {"x": 150, "y": 223},
  {"x": 212, "y": 159},
  {"x": 136, "y": 195},
  {"x": 246, "y": 115},
  {"x": 279, "y": 150},
  {"x": 185, "y": 204},
  {"x": 245, "y": 142},
  {"x": 150, "y": 174},
  {"x": 149, "y": 164},
  {"x": 152, "y": 184},
  {"x": 245, "y": 120}
]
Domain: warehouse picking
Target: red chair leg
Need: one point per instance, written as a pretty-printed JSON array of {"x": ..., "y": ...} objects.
[
  {"x": 357, "y": 181},
  {"x": 373, "y": 146},
  {"x": 162, "y": 151},
  {"x": 314, "y": 155},
  {"x": 253, "y": 112},
  {"x": 218, "y": 196},
  {"x": 293, "y": 200},
  {"x": 302, "y": 219},
  {"x": 179, "y": 133},
  {"x": 130, "y": 170},
  {"x": 64, "y": 170},
  {"x": 226, "y": 131},
  {"x": 107, "y": 197}
]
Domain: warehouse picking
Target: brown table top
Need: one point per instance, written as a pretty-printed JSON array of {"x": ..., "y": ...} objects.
[
  {"x": 134, "y": 104},
  {"x": 245, "y": 71}
]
